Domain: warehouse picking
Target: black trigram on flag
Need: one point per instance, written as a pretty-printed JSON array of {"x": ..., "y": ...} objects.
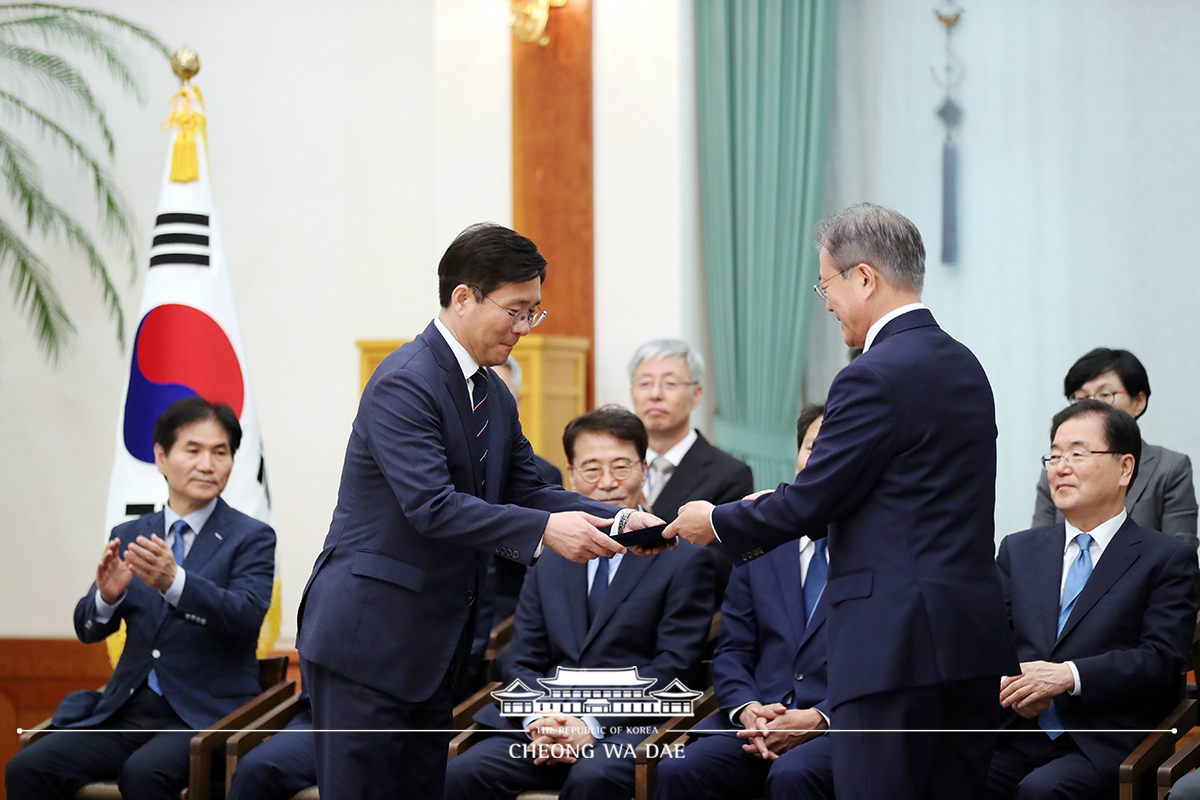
[{"x": 180, "y": 239}]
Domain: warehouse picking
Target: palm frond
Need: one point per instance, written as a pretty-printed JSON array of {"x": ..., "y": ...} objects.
[
  {"x": 116, "y": 22},
  {"x": 115, "y": 214},
  {"x": 68, "y": 30},
  {"x": 35, "y": 294},
  {"x": 60, "y": 76},
  {"x": 25, "y": 189}
]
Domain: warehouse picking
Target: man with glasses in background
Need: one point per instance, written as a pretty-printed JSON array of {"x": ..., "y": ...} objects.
[
  {"x": 437, "y": 476},
  {"x": 1163, "y": 497},
  {"x": 666, "y": 379},
  {"x": 1103, "y": 612},
  {"x": 652, "y": 613}
]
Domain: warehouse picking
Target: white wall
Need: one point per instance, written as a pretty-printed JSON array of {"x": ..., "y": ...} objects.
[
  {"x": 1078, "y": 196},
  {"x": 649, "y": 278}
]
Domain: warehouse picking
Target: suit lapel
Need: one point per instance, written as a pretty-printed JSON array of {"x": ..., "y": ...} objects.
[
  {"x": 574, "y": 578},
  {"x": 497, "y": 433},
  {"x": 1145, "y": 470},
  {"x": 153, "y": 524},
  {"x": 786, "y": 562},
  {"x": 628, "y": 576},
  {"x": 692, "y": 470},
  {"x": 457, "y": 387},
  {"x": 1048, "y": 562},
  {"x": 1121, "y": 552}
]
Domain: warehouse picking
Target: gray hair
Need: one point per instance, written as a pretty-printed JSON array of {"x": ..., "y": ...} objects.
[
  {"x": 871, "y": 234},
  {"x": 664, "y": 348},
  {"x": 515, "y": 369}
]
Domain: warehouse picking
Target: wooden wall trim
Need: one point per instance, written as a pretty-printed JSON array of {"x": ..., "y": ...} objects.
[
  {"x": 553, "y": 198},
  {"x": 36, "y": 674}
]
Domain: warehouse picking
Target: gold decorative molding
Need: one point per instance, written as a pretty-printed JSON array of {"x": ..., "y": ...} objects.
[{"x": 529, "y": 18}]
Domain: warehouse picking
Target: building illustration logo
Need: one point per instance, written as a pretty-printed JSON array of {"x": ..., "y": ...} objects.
[{"x": 596, "y": 692}]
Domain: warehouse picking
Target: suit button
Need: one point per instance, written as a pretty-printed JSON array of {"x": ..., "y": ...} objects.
[
  {"x": 516, "y": 554},
  {"x": 155, "y": 653},
  {"x": 799, "y": 676},
  {"x": 470, "y": 596}
]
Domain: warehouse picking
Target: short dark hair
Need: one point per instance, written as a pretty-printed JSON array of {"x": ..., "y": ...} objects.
[
  {"x": 871, "y": 234},
  {"x": 1121, "y": 432},
  {"x": 486, "y": 256},
  {"x": 808, "y": 415},
  {"x": 194, "y": 409},
  {"x": 619, "y": 423},
  {"x": 1101, "y": 360}
]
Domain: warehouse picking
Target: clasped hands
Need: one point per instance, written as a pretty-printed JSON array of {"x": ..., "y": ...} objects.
[
  {"x": 772, "y": 730},
  {"x": 1031, "y": 692},
  {"x": 558, "y": 739},
  {"x": 149, "y": 559}
]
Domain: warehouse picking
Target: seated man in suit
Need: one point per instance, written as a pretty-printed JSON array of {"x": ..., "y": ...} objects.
[
  {"x": 1162, "y": 498},
  {"x": 192, "y": 583},
  {"x": 1102, "y": 611},
  {"x": 666, "y": 377},
  {"x": 283, "y": 765},
  {"x": 649, "y": 612},
  {"x": 769, "y": 673}
]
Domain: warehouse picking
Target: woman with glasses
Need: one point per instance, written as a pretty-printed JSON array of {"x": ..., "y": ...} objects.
[{"x": 1162, "y": 497}]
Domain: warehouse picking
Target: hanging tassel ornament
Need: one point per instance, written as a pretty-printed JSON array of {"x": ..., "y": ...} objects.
[{"x": 187, "y": 117}]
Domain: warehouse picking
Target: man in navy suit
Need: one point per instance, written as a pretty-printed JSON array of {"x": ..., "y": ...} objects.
[
  {"x": 652, "y": 613},
  {"x": 1103, "y": 611},
  {"x": 437, "y": 478},
  {"x": 191, "y": 583},
  {"x": 770, "y": 676},
  {"x": 903, "y": 479}
]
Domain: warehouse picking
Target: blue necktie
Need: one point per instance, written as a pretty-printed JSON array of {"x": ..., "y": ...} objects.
[
  {"x": 598, "y": 590},
  {"x": 177, "y": 528},
  {"x": 814, "y": 582},
  {"x": 1077, "y": 577},
  {"x": 479, "y": 394}
]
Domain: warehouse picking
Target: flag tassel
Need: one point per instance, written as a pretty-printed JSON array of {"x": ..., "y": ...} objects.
[{"x": 187, "y": 118}]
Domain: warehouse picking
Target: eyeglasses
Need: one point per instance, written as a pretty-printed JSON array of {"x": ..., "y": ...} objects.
[
  {"x": 533, "y": 317},
  {"x": 1074, "y": 458},
  {"x": 1107, "y": 397},
  {"x": 819, "y": 288},
  {"x": 620, "y": 470},
  {"x": 666, "y": 384}
]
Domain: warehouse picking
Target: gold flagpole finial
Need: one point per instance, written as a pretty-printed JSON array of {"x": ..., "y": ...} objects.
[{"x": 185, "y": 63}]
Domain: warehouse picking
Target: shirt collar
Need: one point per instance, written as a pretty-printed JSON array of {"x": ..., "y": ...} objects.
[
  {"x": 195, "y": 520},
  {"x": 1102, "y": 533},
  {"x": 676, "y": 453},
  {"x": 874, "y": 330},
  {"x": 465, "y": 362}
]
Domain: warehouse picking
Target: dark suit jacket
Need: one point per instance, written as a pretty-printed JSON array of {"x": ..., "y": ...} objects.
[
  {"x": 903, "y": 474},
  {"x": 704, "y": 473},
  {"x": 1128, "y": 634},
  {"x": 203, "y": 649},
  {"x": 655, "y": 617},
  {"x": 406, "y": 554},
  {"x": 768, "y": 652},
  {"x": 1161, "y": 499}
]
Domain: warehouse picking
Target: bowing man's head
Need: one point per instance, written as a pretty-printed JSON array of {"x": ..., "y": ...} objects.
[
  {"x": 808, "y": 425},
  {"x": 1094, "y": 453},
  {"x": 606, "y": 451},
  {"x": 490, "y": 287},
  {"x": 872, "y": 261}
]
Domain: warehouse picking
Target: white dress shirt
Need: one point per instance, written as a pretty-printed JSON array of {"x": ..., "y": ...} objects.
[
  {"x": 1101, "y": 535},
  {"x": 873, "y": 331},
  {"x": 196, "y": 522}
]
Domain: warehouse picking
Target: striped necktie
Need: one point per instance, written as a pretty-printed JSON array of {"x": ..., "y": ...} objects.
[
  {"x": 479, "y": 396},
  {"x": 814, "y": 581},
  {"x": 1077, "y": 576}
]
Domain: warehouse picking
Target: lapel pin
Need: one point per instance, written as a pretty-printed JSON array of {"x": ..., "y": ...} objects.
[{"x": 219, "y": 536}]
